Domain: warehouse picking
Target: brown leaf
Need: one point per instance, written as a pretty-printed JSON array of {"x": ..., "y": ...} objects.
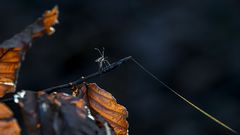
[
  {"x": 9, "y": 65},
  {"x": 8, "y": 124},
  {"x": 29, "y": 109},
  {"x": 58, "y": 114},
  {"x": 106, "y": 105},
  {"x": 12, "y": 51},
  {"x": 49, "y": 19}
]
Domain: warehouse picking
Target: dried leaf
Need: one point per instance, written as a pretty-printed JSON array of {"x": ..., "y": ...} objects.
[
  {"x": 8, "y": 124},
  {"x": 106, "y": 105},
  {"x": 58, "y": 114},
  {"x": 12, "y": 51},
  {"x": 29, "y": 108}
]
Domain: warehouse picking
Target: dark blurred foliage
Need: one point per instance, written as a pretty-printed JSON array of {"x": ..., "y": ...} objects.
[{"x": 192, "y": 45}]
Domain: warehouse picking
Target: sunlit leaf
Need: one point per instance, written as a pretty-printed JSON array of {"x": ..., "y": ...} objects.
[
  {"x": 103, "y": 103},
  {"x": 12, "y": 51},
  {"x": 8, "y": 124}
]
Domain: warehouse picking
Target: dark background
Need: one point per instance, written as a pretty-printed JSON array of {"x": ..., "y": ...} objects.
[{"x": 192, "y": 45}]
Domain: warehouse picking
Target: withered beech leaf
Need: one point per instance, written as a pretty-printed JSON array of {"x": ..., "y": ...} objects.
[
  {"x": 58, "y": 114},
  {"x": 103, "y": 103},
  {"x": 29, "y": 109},
  {"x": 12, "y": 51},
  {"x": 8, "y": 124}
]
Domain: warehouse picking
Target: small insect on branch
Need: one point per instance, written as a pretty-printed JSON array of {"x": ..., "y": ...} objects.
[
  {"x": 114, "y": 65},
  {"x": 102, "y": 60},
  {"x": 103, "y": 70}
]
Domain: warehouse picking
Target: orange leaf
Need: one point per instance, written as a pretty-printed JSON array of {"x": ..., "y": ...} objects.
[
  {"x": 106, "y": 105},
  {"x": 9, "y": 65},
  {"x": 8, "y": 125},
  {"x": 12, "y": 51},
  {"x": 49, "y": 19}
]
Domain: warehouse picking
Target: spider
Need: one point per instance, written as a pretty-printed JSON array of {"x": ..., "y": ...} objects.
[{"x": 102, "y": 59}]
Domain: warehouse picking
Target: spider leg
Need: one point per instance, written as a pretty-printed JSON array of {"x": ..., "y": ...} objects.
[
  {"x": 100, "y": 65},
  {"x": 99, "y": 59},
  {"x": 99, "y": 51},
  {"x": 103, "y": 51},
  {"x": 108, "y": 63}
]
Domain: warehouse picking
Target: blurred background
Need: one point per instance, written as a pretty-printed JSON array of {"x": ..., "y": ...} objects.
[{"x": 192, "y": 45}]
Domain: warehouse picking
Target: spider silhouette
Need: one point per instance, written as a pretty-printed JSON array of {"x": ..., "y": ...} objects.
[{"x": 102, "y": 60}]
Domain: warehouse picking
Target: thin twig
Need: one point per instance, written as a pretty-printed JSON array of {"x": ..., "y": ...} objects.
[
  {"x": 104, "y": 70},
  {"x": 82, "y": 79}
]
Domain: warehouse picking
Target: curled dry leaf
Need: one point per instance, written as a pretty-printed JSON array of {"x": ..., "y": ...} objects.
[
  {"x": 29, "y": 109},
  {"x": 58, "y": 114},
  {"x": 103, "y": 103},
  {"x": 8, "y": 124},
  {"x": 12, "y": 51}
]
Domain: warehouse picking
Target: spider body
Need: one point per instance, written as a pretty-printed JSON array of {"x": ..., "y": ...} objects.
[{"x": 102, "y": 60}]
